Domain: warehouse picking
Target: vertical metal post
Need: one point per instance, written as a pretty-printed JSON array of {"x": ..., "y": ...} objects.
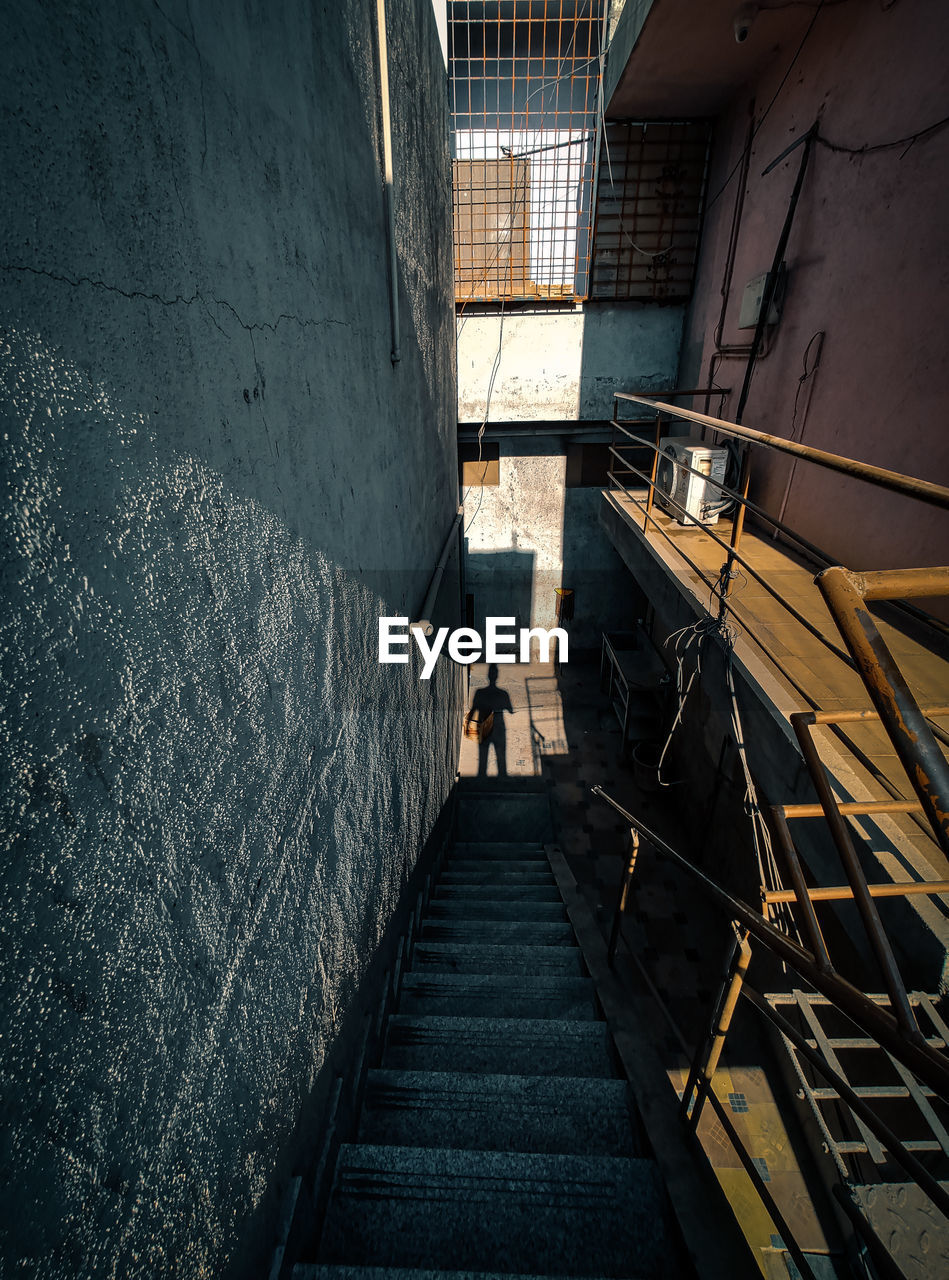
[
  {"x": 382, "y": 48},
  {"x": 738, "y": 524},
  {"x": 700, "y": 1077},
  {"x": 899, "y": 712},
  {"x": 624, "y": 893},
  {"x": 799, "y": 884},
  {"x": 652, "y": 475},
  {"x": 840, "y": 833}
]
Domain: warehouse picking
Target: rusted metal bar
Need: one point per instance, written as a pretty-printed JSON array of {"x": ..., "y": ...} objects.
[
  {"x": 651, "y": 495},
  {"x": 799, "y": 892},
  {"x": 923, "y": 490},
  {"x": 849, "y": 717},
  {"x": 624, "y": 894},
  {"x": 738, "y": 523},
  {"x": 931, "y": 1066},
  {"x": 902, "y": 584},
  {"x": 700, "y": 1076},
  {"x": 905, "y": 1159},
  {"x": 853, "y": 808},
  {"x": 744, "y": 479},
  {"x": 836, "y": 893},
  {"x": 904, "y": 722},
  {"x": 840, "y": 833}
]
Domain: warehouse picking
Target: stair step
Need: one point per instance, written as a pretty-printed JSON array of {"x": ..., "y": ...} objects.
[
  {"x": 526, "y": 852},
  {"x": 497, "y": 893},
  {"x": 431, "y": 1207},
  {"x": 338, "y": 1271},
  {"x": 498, "y": 1046},
  {"x": 488, "y": 909},
  {"x": 537, "y": 933},
  {"x": 557, "y": 1115},
  {"x": 475, "y": 995},
  {"x": 495, "y": 866},
  {"x": 489, "y": 874},
  {"x": 468, "y": 958}
]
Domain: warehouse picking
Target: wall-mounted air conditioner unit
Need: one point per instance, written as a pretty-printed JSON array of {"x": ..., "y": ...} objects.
[{"x": 687, "y": 497}]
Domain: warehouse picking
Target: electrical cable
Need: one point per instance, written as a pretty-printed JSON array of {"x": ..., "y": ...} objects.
[
  {"x": 870, "y": 147},
  {"x": 697, "y": 635},
  {"x": 764, "y": 115}
]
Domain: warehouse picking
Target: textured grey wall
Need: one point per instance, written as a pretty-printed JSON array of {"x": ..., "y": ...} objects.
[{"x": 214, "y": 481}]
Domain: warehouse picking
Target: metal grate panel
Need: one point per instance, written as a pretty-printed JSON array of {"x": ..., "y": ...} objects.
[
  {"x": 650, "y": 191},
  {"x": 524, "y": 82}
]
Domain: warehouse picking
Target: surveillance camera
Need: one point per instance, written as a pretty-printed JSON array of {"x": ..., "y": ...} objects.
[{"x": 743, "y": 20}]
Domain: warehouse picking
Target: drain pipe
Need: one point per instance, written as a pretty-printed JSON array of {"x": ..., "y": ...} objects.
[{"x": 387, "y": 160}]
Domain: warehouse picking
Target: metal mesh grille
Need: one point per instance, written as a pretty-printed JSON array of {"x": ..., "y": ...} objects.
[
  {"x": 648, "y": 211},
  {"x": 524, "y": 78}
]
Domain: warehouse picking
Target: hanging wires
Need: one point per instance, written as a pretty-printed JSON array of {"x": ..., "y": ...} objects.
[
  {"x": 764, "y": 115},
  {"x": 695, "y": 637}
]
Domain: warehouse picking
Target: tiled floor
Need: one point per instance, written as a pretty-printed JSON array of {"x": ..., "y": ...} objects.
[{"x": 562, "y": 728}]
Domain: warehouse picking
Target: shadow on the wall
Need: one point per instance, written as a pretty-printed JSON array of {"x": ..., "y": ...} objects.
[
  {"x": 606, "y": 595},
  {"x": 502, "y": 583}
]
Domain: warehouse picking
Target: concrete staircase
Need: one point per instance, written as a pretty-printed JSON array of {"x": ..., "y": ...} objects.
[{"x": 496, "y": 1136}]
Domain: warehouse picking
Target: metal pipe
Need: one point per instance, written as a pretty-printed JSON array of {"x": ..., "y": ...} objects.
[
  {"x": 389, "y": 178},
  {"x": 424, "y": 625},
  {"x": 651, "y": 495},
  {"x": 924, "y": 490},
  {"x": 902, "y": 584},
  {"x": 701, "y": 1077},
  {"x": 840, "y": 834},
  {"x": 771, "y": 284},
  {"x": 624, "y": 894},
  {"x": 848, "y": 717},
  {"x": 900, "y": 715},
  {"x": 799, "y": 892},
  {"x": 852, "y": 808},
  {"x": 836, "y": 893},
  {"x": 905, "y": 1159},
  {"x": 931, "y": 1066}
]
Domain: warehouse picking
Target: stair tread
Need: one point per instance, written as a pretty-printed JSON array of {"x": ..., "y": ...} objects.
[
  {"x": 499, "y": 848},
  {"x": 498, "y": 995},
  {"x": 466, "y": 957},
  {"x": 468, "y": 908},
  {"x": 431, "y": 1207},
  {"x": 497, "y": 893},
  {"x": 497, "y": 1112},
  {"x": 512, "y": 1046},
  {"x": 494, "y": 866},
  {"x": 340, "y": 1271},
  {"x": 488, "y": 875},
  {"x": 529, "y": 932}
]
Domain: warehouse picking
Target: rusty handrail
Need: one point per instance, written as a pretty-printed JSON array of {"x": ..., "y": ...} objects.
[
  {"x": 895, "y": 481},
  {"x": 845, "y": 594},
  {"x": 931, "y": 1066}
]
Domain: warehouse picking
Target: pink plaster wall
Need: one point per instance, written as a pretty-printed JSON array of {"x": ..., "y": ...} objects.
[{"x": 868, "y": 264}]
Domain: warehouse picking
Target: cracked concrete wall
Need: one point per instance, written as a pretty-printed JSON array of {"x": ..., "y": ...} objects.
[
  {"x": 564, "y": 364},
  {"x": 214, "y": 482}
]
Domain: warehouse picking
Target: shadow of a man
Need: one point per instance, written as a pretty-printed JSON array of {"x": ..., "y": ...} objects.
[{"x": 491, "y": 698}]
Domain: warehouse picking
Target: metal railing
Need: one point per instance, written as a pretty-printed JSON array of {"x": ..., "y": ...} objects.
[
  {"x": 913, "y": 733},
  {"x": 925, "y": 1057}
]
